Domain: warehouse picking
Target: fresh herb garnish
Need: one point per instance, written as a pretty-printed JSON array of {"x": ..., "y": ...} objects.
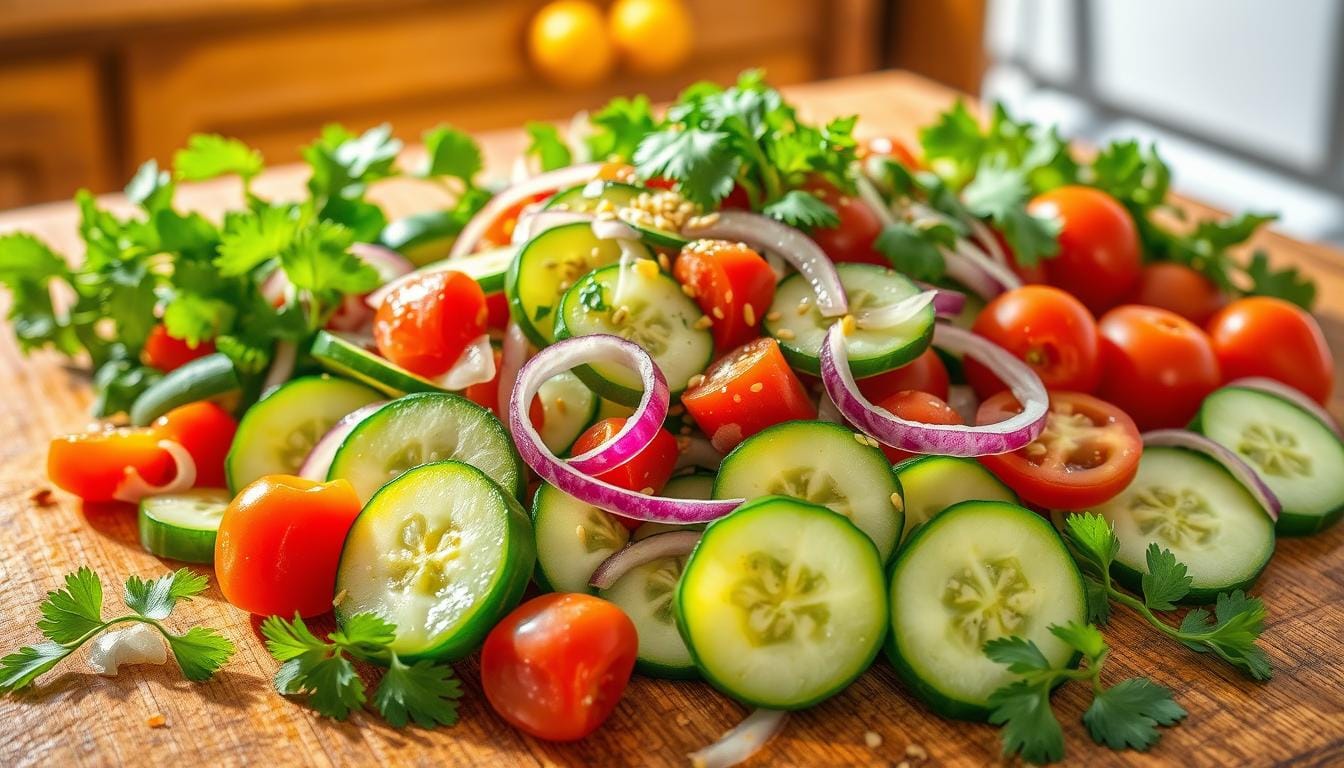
[
  {"x": 546, "y": 145},
  {"x": 324, "y": 672},
  {"x": 74, "y": 615}
]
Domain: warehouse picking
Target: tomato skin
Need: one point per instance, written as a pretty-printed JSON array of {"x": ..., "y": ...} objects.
[
  {"x": 1088, "y": 453},
  {"x": 206, "y": 431},
  {"x": 558, "y": 664},
  {"x": 649, "y": 469},
  {"x": 1046, "y": 328},
  {"x": 1263, "y": 336},
  {"x": 497, "y": 310},
  {"x": 166, "y": 353},
  {"x": 744, "y": 392},
  {"x": 853, "y": 238},
  {"x": 279, "y": 543},
  {"x": 425, "y": 323},
  {"x": 1099, "y": 256},
  {"x": 92, "y": 464},
  {"x": 925, "y": 373},
  {"x": 913, "y": 405},
  {"x": 1180, "y": 289},
  {"x": 1157, "y": 366},
  {"x": 727, "y": 278}
]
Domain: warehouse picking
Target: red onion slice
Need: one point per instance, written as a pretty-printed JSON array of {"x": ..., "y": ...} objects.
[
  {"x": 547, "y": 182},
  {"x": 386, "y": 262},
  {"x": 1292, "y": 395},
  {"x": 946, "y": 302},
  {"x": 511, "y": 359},
  {"x": 744, "y": 740},
  {"x": 671, "y": 544},
  {"x": 133, "y": 487},
  {"x": 950, "y": 440},
  {"x": 893, "y": 315},
  {"x": 984, "y": 236},
  {"x": 476, "y": 365},
  {"x": 1182, "y": 438},
  {"x": 318, "y": 463},
  {"x": 602, "y": 348},
  {"x": 282, "y": 365},
  {"x": 532, "y": 224},
  {"x": 800, "y": 251},
  {"x": 966, "y": 252}
]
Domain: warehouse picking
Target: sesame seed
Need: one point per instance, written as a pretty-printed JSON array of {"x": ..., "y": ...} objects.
[
  {"x": 785, "y": 334},
  {"x": 676, "y": 410},
  {"x": 596, "y": 253},
  {"x": 728, "y": 297},
  {"x": 582, "y": 534},
  {"x": 560, "y": 406},
  {"x": 339, "y": 598},
  {"x": 757, "y": 387},
  {"x": 664, "y": 263},
  {"x": 703, "y": 323},
  {"x": 848, "y": 325},
  {"x": 804, "y": 305},
  {"x": 685, "y": 430},
  {"x": 683, "y": 443},
  {"x": 773, "y": 316},
  {"x": 897, "y": 501},
  {"x": 647, "y": 490},
  {"x": 620, "y": 315},
  {"x": 718, "y": 313},
  {"x": 737, "y": 398},
  {"x": 688, "y": 289},
  {"x": 873, "y": 739},
  {"x": 748, "y": 314},
  {"x": 861, "y": 438},
  {"x": 695, "y": 381},
  {"x": 916, "y": 752}
]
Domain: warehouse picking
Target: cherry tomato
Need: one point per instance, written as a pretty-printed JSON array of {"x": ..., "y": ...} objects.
[
  {"x": 92, "y": 464},
  {"x": 569, "y": 45},
  {"x": 922, "y": 407},
  {"x": 733, "y": 286},
  {"x": 426, "y": 323},
  {"x": 500, "y": 231},
  {"x": 652, "y": 36},
  {"x": 1099, "y": 258},
  {"x": 852, "y": 239},
  {"x": 1263, "y": 336},
  {"x": 744, "y": 392},
  {"x": 1180, "y": 289},
  {"x": 206, "y": 431},
  {"x": 648, "y": 471},
  {"x": 925, "y": 373},
  {"x": 497, "y": 310},
  {"x": 486, "y": 395},
  {"x": 894, "y": 148},
  {"x": 1048, "y": 329},
  {"x": 166, "y": 353},
  {"x": 1088, "y": 453},
  {"x": 279, "y": 543},
  {"x": 1156, "y": 365},
  {"x": 558, "y": 664}
]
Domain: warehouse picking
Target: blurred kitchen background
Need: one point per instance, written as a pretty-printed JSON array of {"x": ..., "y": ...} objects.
[{"x": 1245, "y": 97}]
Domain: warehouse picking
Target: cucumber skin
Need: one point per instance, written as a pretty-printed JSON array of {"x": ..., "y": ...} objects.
[
  {"x": 1288, "y": 524},
  {"x": 1132, "y": 580},
  {"x": 187, "y": 384},
  {"x": 664, "y": 672},
  {"x": 936, "y": 700},
  {"x": 399, "y": 383},
  {"x": 679, "y": 612},
  {"x": 539, "y": 575},
  {"x": 516, "y": 575},
  {"x": 200, "y": 550}
]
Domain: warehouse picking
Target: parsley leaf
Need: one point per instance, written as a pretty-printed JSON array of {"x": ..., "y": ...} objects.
[
  {"x": 155, "y": 598},
  {"x": 209, "y": 155},
  {"x": 71, "y": 613},
  {"x": 593, "y": 297},
  {"x": 802, "y": 210},
  {"x": 547, "y": 146},
  {"x": 1029, "y": 725},
  {"x": 911, "y": 251},
  {"x": 1166, "y": 581},
  {"x": 151, "y": 188},
  {"x": 1231, "y": 632},
  {"x": 333, "y": 687},
  {"x": 1000, "y": 193},
  {"x": 200, "y": 652},
  {"x": 20, "y": 668},
  {"x": 1127, "y": 714},
  {"x": 451, "y": 153},
  {"x": 1018, "y": 654},
  {"x": 423, "y": 692},
  {"x": 702, "y": 162},
  {"x": 619, "y": 127}
]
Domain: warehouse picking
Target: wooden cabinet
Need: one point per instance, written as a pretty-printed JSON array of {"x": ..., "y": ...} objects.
[{"x": 272, "y": 72}]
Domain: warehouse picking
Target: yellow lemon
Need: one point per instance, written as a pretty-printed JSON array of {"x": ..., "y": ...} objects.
[
  {"x": 652, "y": 36},
  {"x": 568, "y": 43}
]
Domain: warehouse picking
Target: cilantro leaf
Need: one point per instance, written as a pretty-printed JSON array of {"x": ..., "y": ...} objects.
[
  {"x": 365, "y": 629},
  {"x": 1135, "y": 177},
  {"x": 1287, "y": 283},
  {"x": 547, "y": 146},
  {"x": 287, "y": 640},
  {"x": 423, "y": 692},
  {"x": 71, "y": 613},
  {"x": 592, "y": 296},
  {"x": 1231, "y": 632},
  {"x": 155, "y": 598},
  {"x": 200, "y": 652},
  {"x": 619, "y": 127},
  {"x": 913, "y": 251},
  {"x": 151, "y": 188},
  {"x": 333, "y": 687},
  {"x": 1095, "y": 539},
  {"x": 211, "y": 155},
  {"x": 1084, "y": 638},
  {"x": 702, "y": 162},
  {"x": 802, "y": 210},
  {"x": 451, "y": 153},
  {"x": 20, "y": 668},
  {"x": 27, "y": 268},
  {"x": 1029, "y": 726},
  {"x": 1127, "y": 714},
  {"x": 320, "y": 261},
  {"x": 1000, "y": 193},
  {"x": 344, "y": 164},
  {"x": 1018, "y": 654},
  {"x": 1166, "y": 581},
  {"x": 250, "y": 241},
  {"x": 954, "y": 141}
]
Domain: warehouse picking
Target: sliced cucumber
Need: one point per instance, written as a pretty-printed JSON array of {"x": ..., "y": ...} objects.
[
  {"x": 655, "y": 237},
  {"x": 546, "y": 266},
  {"x": 276, "y": 434},
  {"x": 1190, "y": 504},
  {"x": 782, "y": 603},
  {"x": 931, "y": 484},
  {"x": 607, "y": 409},
  {"x": 568, "y": 406},
  {"x": 422, "y": 428},
  {"x": 182, "y": 526},
  {"x": 343, "y": 357},
  {"x": 825, "y": 464},
  {"x": 423, "y": 237},
  {"x": 978, "y": 571},
  {"x": 573, "y": 538},
  {"x": 871, "y": 351},
  {"x": 442, "y": 552},
  {"x": 205, "y": 378},
  {"x": 636, "y": 301},
  {"x": 487, "y": 268},
  {"x": 698, "y": 485},
  {"x": 645, "y": 594},
  {"x": 1297, "y": 456},
  {"x": 585, "y": 198}
]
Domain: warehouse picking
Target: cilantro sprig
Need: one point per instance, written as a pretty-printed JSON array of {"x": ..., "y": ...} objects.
[
  {"x": 1122, "y": 716},
  {"x": 323, "y": 672},
  {"x": 74, "y": 615},
  {"x": 1230, "y": 631}
]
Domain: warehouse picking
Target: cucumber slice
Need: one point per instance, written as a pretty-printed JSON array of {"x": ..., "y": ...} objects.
[
  {"x": 276, "y": 434},
  {"x": 657, "y": 238},
  {"x": 423, "y": 237},
  {"x": 607, "y": 409},
  {"x": 931, "y": 484},
  {"x": 699, "y": 485},
  {"x": 1297, "y": 456},
  {"x": 636, "y": 301},
  {"x": 487, "y": 268},
  {"x": 573, "y": 538},
  {"x": 569, "y": 406},
  {"x": 825, "y": 464},
  {"x": 205, "y": 378},
  {"x": 782, "y": 603},
  {"x": 645, "y": 594},
  {"x": 546, "y": 266},
  {"x": 422, "y": 428},
  {"x": 182, "y": 526},
  {"x": 978, "y": 571},
  {"x": 1190, "y": 504},
  {"x": 443, "y": 552},
  {"x": 585, "y": 198},
  {"x": 871, "y": 351},
  {"x": 343, "y": 357}
]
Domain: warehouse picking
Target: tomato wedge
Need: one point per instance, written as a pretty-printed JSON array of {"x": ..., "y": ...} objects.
[
  {"x": 206, "y": 431},
  {"x": 733, "y": 286},
  {"x": 1088, "y": 453},
  {"x": 747, "y": 390},
  {"x": 92, "y": 464}
]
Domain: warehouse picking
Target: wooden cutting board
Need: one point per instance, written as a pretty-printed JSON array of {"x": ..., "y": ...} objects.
[{"x": 75, "y": 717}]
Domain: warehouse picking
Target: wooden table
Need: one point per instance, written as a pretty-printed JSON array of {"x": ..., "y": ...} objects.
[{"x": 75, "y": 717}]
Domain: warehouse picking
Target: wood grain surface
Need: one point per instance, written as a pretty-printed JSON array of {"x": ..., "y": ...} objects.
[{"x": 76, "y": 718}]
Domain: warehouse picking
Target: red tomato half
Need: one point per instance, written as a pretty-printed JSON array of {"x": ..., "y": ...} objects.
[
  {"x": 206, "y": 431},
  {"x": 166, "y": 353},
  {"x": 733, "y": 285},
  {"x": 925, "y": 373},
  {"x": 92, "y": 464},
  {"x": 557, "y": 666},
  {"x": 747, "y": 390},
  {"x": 1261, "y": 336},
  {"x": 1156, "y": 365},
  {"x": 916, "y": 406},
  {"x": 647, "y": 472},
  {"x": 1088, "y": 453},
  {"x": 852, "y": 239},
  {"x": 426, "y": 322},
  {"x": 1048, "y": 329},
  {"x": 1099, "y": 258}
]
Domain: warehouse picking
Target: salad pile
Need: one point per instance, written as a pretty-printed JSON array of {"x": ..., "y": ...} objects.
[{"x": 749, "y": 400}]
